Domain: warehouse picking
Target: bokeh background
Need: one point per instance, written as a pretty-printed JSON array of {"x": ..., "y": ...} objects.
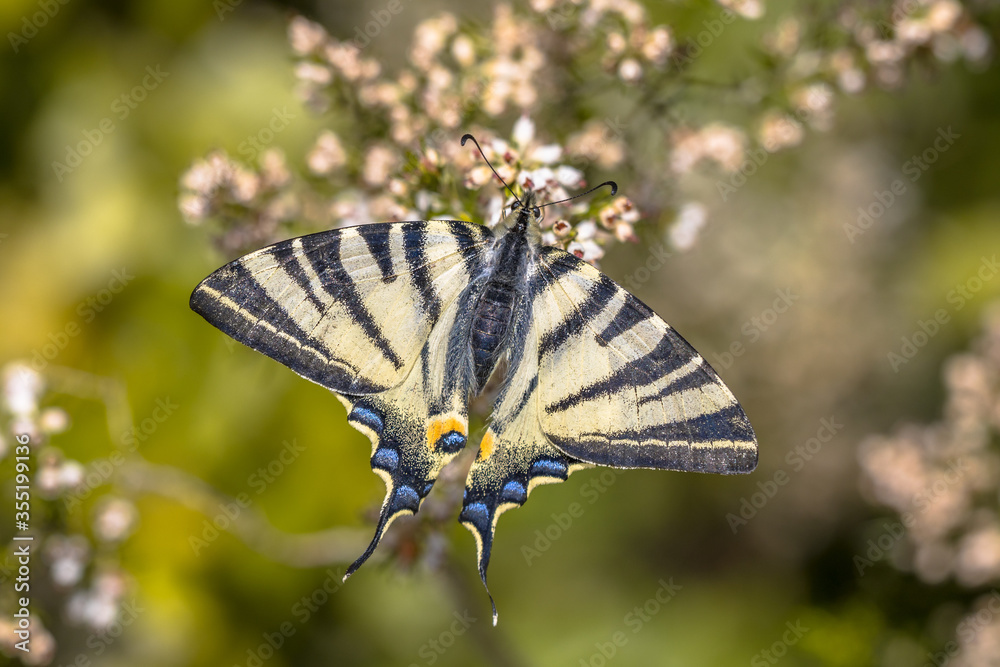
[{"x": 813, "y": 202}]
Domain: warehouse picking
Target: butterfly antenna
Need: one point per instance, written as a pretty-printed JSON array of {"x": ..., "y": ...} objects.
[
  {"x": 614, "y": 191},
  {"x": 469, "y": 136}
]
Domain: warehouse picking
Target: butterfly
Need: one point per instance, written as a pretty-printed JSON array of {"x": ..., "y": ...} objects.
[{"x": 404, "y": 321}]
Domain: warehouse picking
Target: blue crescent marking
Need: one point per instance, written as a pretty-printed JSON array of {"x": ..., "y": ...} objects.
[
  {"x": 514, "y": 492},
  {"x": 368, "y": 417},
  {"x": 548, "y": 468},
  {"x": 386, "y": 459}
]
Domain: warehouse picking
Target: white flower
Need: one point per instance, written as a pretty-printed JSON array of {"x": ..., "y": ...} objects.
[
  {"x": 305, "y": 36},
  {"x": 114, "y": 519},
  {"x": 22, "y": 387},
  {"x": 690, "y": 220},
  {"x": 571, "y": 177},
  {"x": 546, "y": 154},
  {"x": 523, "y": 132}
]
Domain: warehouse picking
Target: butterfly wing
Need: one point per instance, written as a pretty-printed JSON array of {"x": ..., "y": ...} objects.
[
  {"x": 597, "y": 378},
  {"x": 371, "y": 313},
  {"x": 514, "y": 455},
  {"x": 619, "y": 387}
]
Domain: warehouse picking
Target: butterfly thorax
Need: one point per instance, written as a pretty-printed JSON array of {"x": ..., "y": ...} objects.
[{"x": 500, "y": 297}]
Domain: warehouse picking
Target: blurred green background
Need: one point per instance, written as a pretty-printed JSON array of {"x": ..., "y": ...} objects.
[{"x": 64, "y": 234}]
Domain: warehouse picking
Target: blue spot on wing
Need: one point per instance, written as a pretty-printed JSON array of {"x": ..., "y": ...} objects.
[
  {"x": 406, "y": 498},
  {"x": 386, "y": 459},
  {"x": 368, "y": 417},
  {"x": 549, "y": 468},
  {"x": 451, "y": 442},
  {"x": 514, "y": 492},
  {"x": 477, "y": 514}
]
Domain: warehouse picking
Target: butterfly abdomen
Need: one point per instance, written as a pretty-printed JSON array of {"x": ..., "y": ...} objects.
[{"x": 490, "y": 325}]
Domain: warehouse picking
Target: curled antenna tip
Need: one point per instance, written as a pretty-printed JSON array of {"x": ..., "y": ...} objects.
[
  {"x": 465, "y": 138},
  {"x": 346, "y": 576},
  {"x": 614, "y": 191}
]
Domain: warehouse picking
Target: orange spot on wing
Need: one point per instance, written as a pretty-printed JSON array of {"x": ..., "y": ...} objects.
[
  {"x": 487, "y": 446},
  {"x": 441, "y": 425}
]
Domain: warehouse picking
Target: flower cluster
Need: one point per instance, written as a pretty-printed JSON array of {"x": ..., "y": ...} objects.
[
  {"x": 942, "y": 478},
  {"x": 394, "y": 153},
  {"x": 80, "y": 566}
]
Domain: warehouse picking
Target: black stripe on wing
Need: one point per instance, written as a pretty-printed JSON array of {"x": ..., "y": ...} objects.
[
  {"x": 633, "y": 312},
  {"x": 416, "y": 260},
  {"x": 662, "y": 360},
  {"x": 678, "y": 448},
  {"x": 253, "y": 306},
  {"x": 376, "y": 236},
  {"x": 701, "y": 376},
  {"x": 323, "y": 256},
  {"x": 469, "y": 242},
  {"x": 600, "y": 295}
]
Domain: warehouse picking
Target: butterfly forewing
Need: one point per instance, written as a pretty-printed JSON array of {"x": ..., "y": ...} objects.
[
  {"x": 349, "y": 308},
  {"x": 619, "y": 387}
]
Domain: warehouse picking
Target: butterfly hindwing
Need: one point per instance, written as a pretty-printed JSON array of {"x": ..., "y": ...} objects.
[
  {"x": 417, "y": 427},
  {"x": 514, "y": 455},
  {"x": 619, "y": 387}
]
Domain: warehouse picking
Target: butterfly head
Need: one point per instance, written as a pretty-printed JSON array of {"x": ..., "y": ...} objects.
[{"x": 525, "y": 210}]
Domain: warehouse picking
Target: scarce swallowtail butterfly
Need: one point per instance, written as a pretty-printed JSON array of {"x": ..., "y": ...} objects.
[{"x": 404, "y": 321}]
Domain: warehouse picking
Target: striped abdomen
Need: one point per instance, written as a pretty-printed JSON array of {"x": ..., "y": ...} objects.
[{"x": 490, "y": 324}]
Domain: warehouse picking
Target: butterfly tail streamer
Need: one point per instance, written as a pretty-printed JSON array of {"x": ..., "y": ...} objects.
[
  {"x": 508, "y": 467},
  {"x": 399, "y": 501},
  {"x": 407, "y": 453},
  {"x": 480, "y": 518}
]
